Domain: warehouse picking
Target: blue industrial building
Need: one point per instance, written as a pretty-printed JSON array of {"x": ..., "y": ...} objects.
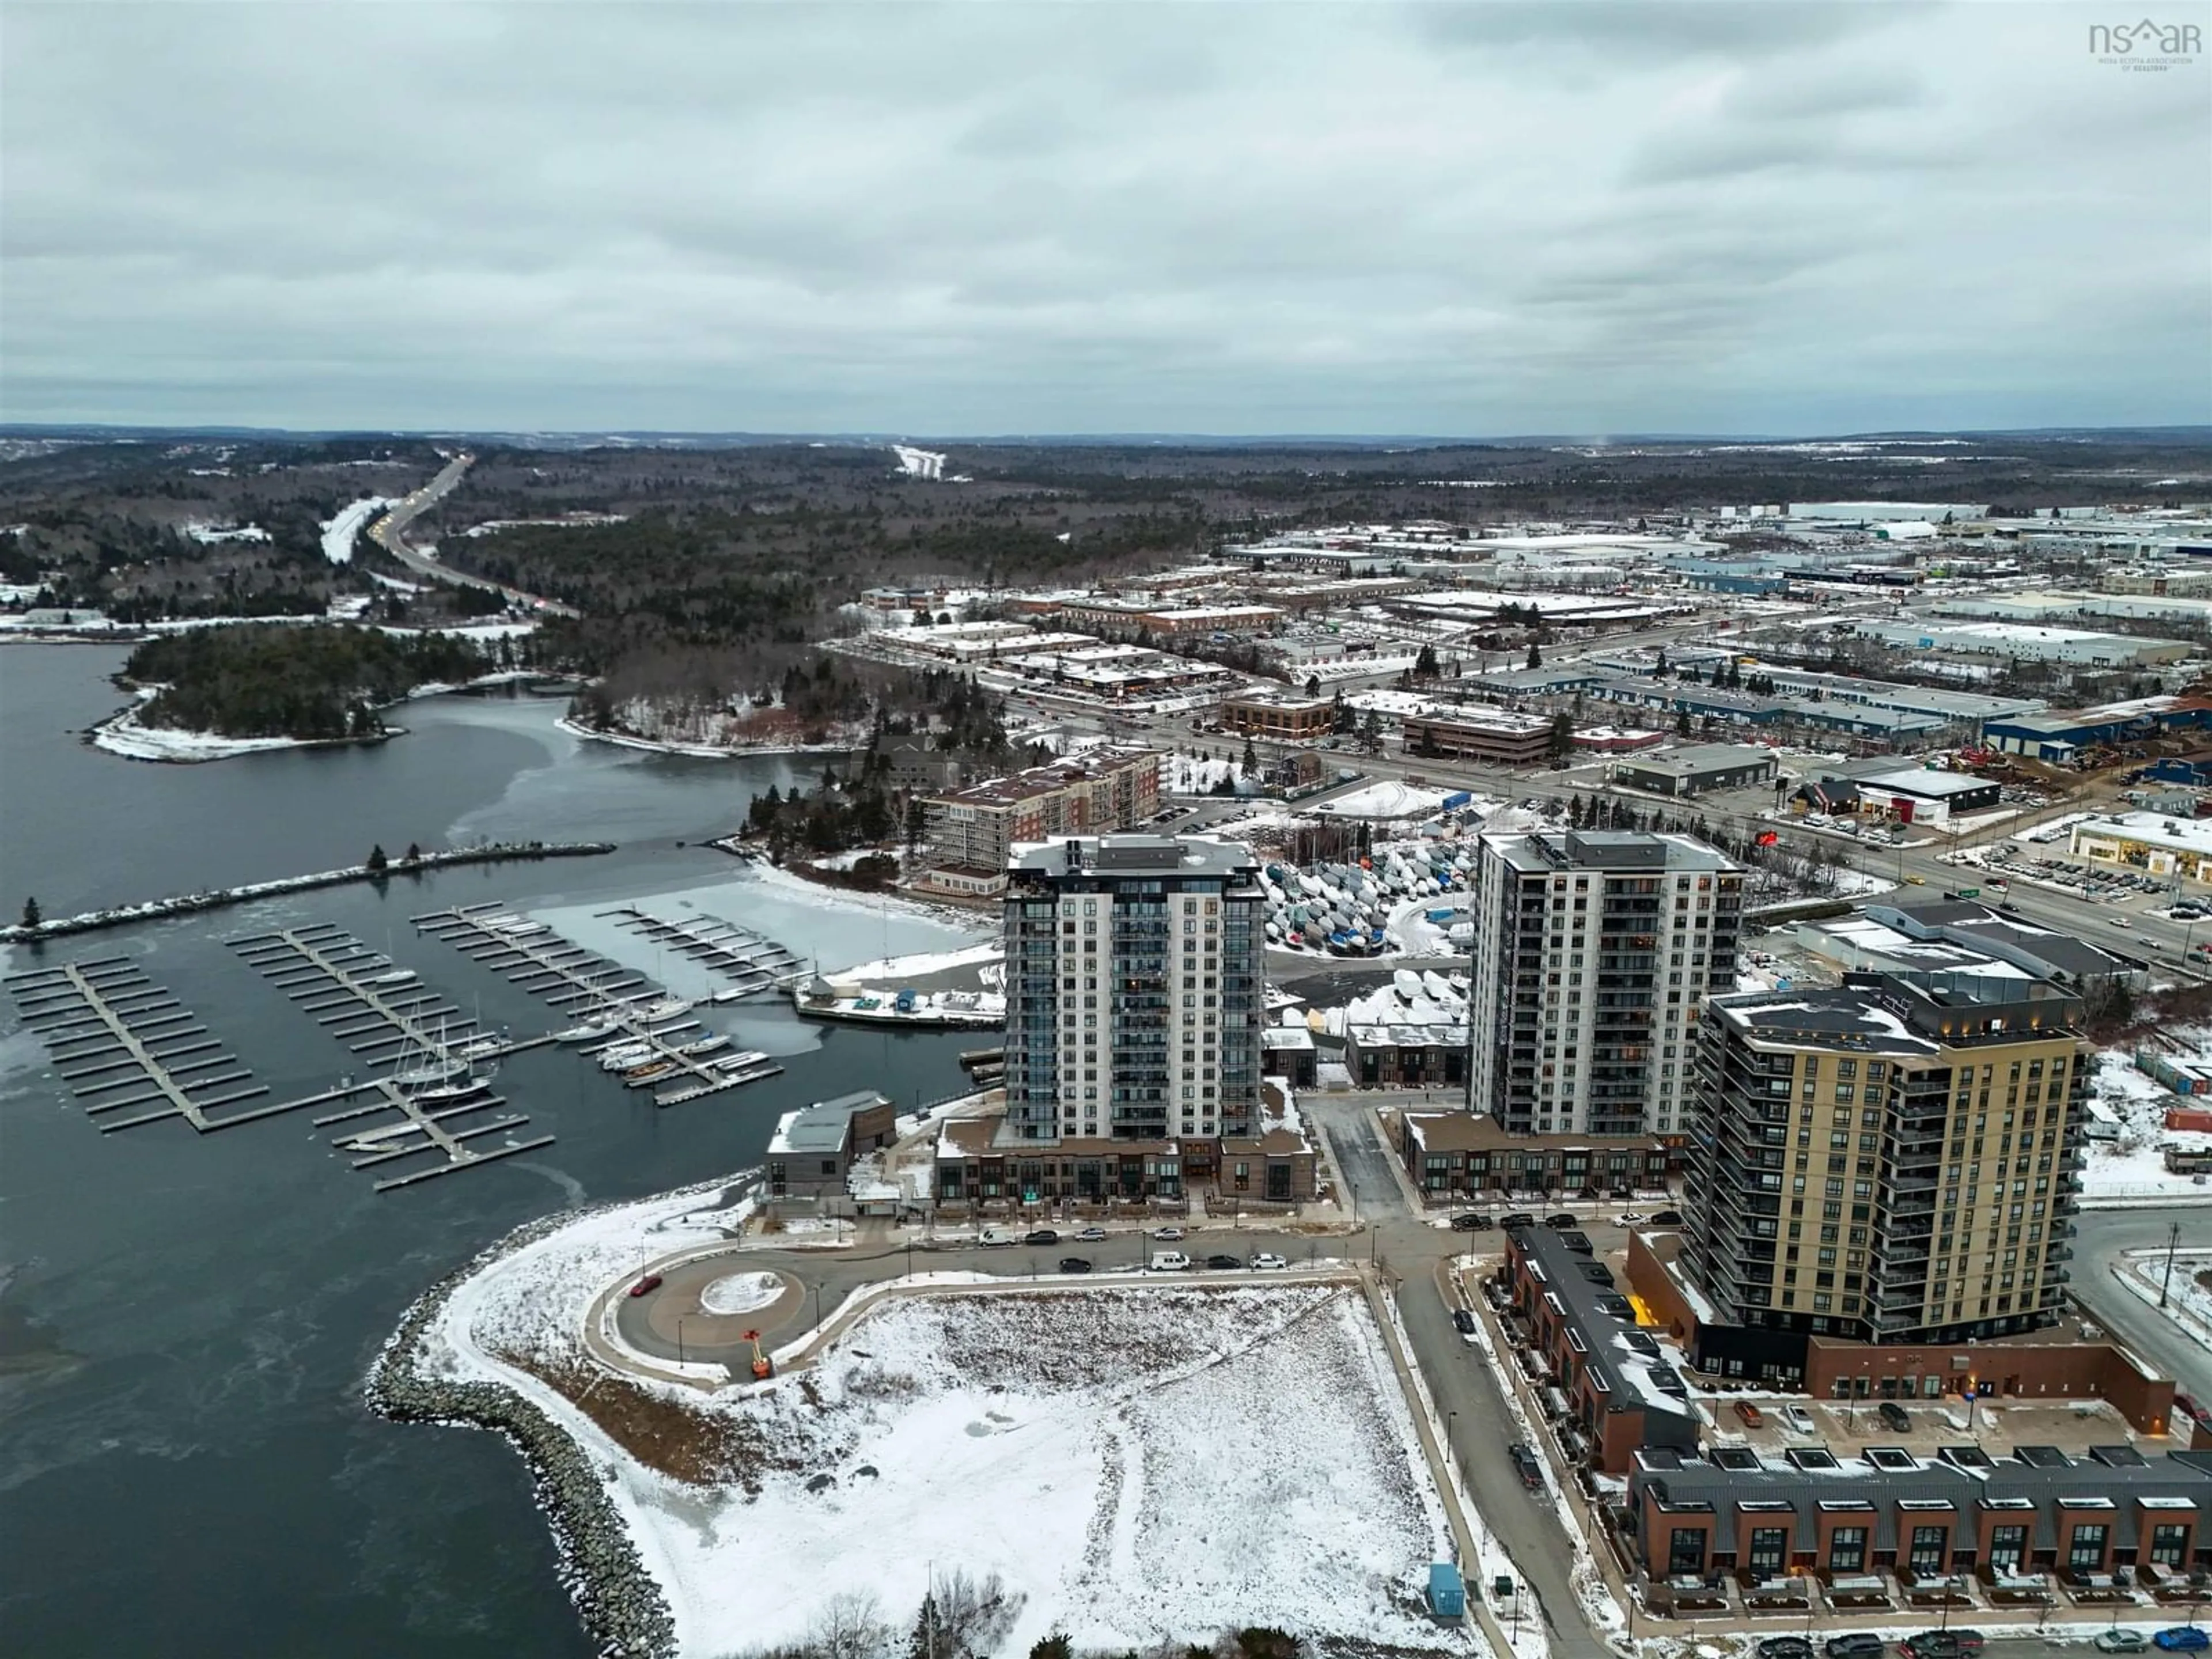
[{"x": 2058, "y": 736}]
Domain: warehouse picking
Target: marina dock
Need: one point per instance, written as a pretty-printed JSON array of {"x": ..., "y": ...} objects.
[
  {"x": 750, "y": 963},
  {"x": 109, "y": 1029},
  {"x": 666, "y": 1051}
]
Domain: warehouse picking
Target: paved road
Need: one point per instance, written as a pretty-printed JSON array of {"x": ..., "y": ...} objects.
[
  {"x": 389, "y": 533},
  {"x": 2099, "y": 1239}
]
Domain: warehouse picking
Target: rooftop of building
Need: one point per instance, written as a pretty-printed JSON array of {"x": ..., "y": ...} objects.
[
  {"x": 1457, "y": 1131},
  {"x": 1134, "y": 855},
  {"x": 1705, "y": 758},
  {"x": 1910, "y": 1014},
  {"x": 1976, "y": 926},
  {"x": 1960, "y": 1471},
  {"x": 2153, "y": 829},
  {"x": 823, "y": 1127},
  {"x": 1923, "y": 781},
  {"x": 1544, "y": 850},
  {"x": 1266, "y": 698},
  {"x": 1476, "y": 718},
  {"x": 1042, "y": 779},
  {"x": 1623, "y": 1361}
]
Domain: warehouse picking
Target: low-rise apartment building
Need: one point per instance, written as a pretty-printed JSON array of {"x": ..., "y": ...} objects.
[
  {"x": 1458, "y": 1157},
  {"x": 970, "y": 834}
]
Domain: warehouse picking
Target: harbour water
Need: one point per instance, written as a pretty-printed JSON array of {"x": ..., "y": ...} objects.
[{"x": 184, "y": 1466}]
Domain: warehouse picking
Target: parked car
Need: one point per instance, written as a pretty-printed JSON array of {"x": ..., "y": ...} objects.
[
  {"x": 1170, "y": 1262},
  {"x": 1224, "y": 1263},
  {"x": 646, "y": 1286},
  {"x": 1753, "y": 1417},
  {"x": 2182, "y": 1638},
  {"x": 1267, "y": 1259},
  {"x": 1628, "y": 1219},
  {"x": 1518, "y": 1219},
  {"x": 1074, "y": 1264},
  {"x": 2121, "y": 1641},
  {"x": 1931, "y": 1645},
  {"x": 1042, "y": 1236},
  {"x": 1092, "y": 1236},
  {"x": 1784, "y": 1647},
  {"x": 1894, "y": 1417},
  {"x": 1530, "y": 1466},
  {"x": 1470, "y": 1223},
  {"x": 1463, "y": 1320},
  {"x": 1169, "y": 1235},
  {"x": 1969, "y": 1641},
  {"x": 1666, "y": 1218},
  {"x": 1798, "y": 1421},
  {"x": 994, "y": 1238},
  {"x": 1858, "y": 1644},
  {"x": 2119, "y": 921},
  {"x": 1562, "y": 1221}
]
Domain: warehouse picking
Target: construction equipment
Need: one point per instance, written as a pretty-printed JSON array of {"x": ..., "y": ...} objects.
[{"x": 763, "y": 1367}]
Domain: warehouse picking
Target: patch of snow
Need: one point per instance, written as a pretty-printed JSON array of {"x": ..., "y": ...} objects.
[
  {"x": 1387, "y": 799},
  {"x": 738, "y": 1294},
  {"x": 339, "y": 533},
  {"x": 209, "y": 536}
]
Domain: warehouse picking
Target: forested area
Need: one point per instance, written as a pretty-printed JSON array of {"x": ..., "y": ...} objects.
[{"x": 277, "y": 681}]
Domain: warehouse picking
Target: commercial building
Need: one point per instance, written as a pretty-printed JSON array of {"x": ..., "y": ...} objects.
[
  {"x": 1920, "y": 795},
  {"x": 1496, "y": 735},
  {"x": 983, "y": 1166},
  {"x": 1698, "y": 769},
  {"x": 1284, "y": 718},
  {"x": 1459, "y": 1157},
  {"x": 814, "y": 1150},
  {"x": 1895, "y": 1160},
  {"x": 1592, "y": 952},
  {"x": 970, "y": 834},
  {"x": 2150, "y": 841},
  {"x": 2058, "y": 736},
  {"x": 1960, "y": 1511},
  {"x": 1134, "y": 1002},
  {"x": 1616, "y": 1391},
  {"x": 2028, "y": 642},
  {"x": 1965, "y": 938}
]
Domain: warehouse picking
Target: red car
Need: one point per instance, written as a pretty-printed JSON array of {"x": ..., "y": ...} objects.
[{"x": 650, "y": 1283}]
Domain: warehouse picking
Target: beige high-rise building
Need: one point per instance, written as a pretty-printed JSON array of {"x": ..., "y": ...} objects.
[{"x": 1895, "y": 1160}]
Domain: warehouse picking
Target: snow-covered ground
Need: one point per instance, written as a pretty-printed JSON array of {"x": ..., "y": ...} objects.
[
  {"x": 122, "y": 735},
  {"x": 1188, "y": 774},
  {"x": 1387, "y": 799},
  {"x": 339, "y": 533},
  {"x": 738, "y": 1293},
  {"x": 2134, "y": 1166},
  {"x": 918, "y": 463},
  {"x": 209, "y": 536},
  {"x": 928, "y": 962},
  {"x": 1134, "y": 1463}
]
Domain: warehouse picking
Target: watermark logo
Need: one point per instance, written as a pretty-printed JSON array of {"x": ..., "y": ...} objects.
[{"x": 2148, "y": 45}]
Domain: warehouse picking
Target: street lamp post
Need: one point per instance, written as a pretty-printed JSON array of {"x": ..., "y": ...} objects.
[
  {"x": 679, "y": 1339},
  {"x": 2173, "y": 1242},
  {"x": 818, "y": 1306}
]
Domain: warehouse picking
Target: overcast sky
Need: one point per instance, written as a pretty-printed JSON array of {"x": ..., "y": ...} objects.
[{"x": 1484, "y": 220}]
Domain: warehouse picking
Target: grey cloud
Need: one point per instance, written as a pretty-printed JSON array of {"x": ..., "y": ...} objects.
[{"x": 1475, "y": 219}]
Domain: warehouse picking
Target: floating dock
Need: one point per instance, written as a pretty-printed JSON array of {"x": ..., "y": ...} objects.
[
  {"x": 752, "y": 965},
  {"x": 643, "y": 1018},
  {"x": 118, "y": 1041}
]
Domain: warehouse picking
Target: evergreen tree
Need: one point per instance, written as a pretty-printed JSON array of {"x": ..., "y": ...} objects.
[
  {"x": 377, "y": 861},
  {"x": 1562, "y": 742},
  {"x": 33, "y": 916},
  {"x": 414, "y": 853},
  {"x": 1535, "y": 655},
  {"x": 1251, "y": 762}
]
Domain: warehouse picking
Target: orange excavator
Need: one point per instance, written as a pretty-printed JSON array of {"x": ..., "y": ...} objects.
[{"x": 763, "y": 1367}]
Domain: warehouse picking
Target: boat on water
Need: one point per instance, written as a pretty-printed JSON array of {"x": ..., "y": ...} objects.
[
  {"x": 738, "y": 1062},
  {"x": 665, "y": 1008},
  {"x": 705, "y": 1046},
  {"x": 635, "y": 1054},
  {"x": 397, "y": 976},
  {"x": 650, "y": 1070},
  {"x": 429, "y": 1074},
  {"x": 460, "y": 1089},
  {"x": 587, "y": 1031}
]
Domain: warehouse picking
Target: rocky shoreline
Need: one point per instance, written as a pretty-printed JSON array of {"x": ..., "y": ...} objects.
[{"x": 618, "y": 1600}]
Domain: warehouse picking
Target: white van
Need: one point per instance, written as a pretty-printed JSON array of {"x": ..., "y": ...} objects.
[
  {"x": 996, "y": 1236},
  {"x": 1170, "y": 1261}
]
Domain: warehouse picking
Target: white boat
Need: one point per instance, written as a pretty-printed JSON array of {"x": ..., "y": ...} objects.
[
  {"x": 705, "y": 1046},
  {"x": 397, "y": 976},
  {"x": 429, "y": 1074},
  {"x": 618, "y": 1060},
  {"x": 587, "y": 1031},
  {"x": 445, "y": 1093},
  {"x": 665, "y": 1008}
]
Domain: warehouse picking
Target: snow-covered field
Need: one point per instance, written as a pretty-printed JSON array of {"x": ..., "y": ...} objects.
[
  {"x": 339, "y": 533},
  {"x": 1131, "y": 1463},
  {"x": 125, "y": 735},
  {"x": 738, "y": 1293},
  {"x": 2134, "y": 1166},
  {"x": 1189, "y": 774},
  {"x": 1387, "y": 799}
]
